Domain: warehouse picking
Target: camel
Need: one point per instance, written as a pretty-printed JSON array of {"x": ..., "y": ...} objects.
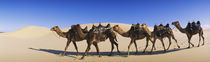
[
  {"x": 135, "y": 34},
  {"x": 71, "y": 37},
  {"x": 161, "y": 32},
  {"x": 96, "y": 35},
  {"x": 189, "y": 31}
]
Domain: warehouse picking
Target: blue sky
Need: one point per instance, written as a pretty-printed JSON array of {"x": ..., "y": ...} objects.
[{"x": 15, "y": 14}]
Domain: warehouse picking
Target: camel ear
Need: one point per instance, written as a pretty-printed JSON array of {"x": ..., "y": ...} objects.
[{"x": 117, "y": 25}]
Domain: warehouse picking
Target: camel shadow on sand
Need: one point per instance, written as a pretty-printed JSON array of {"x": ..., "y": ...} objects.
[{"x": 122, "y": 54}]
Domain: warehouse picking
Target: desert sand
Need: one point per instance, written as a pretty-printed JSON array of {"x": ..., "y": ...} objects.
[{"x": 39, "y": 44}]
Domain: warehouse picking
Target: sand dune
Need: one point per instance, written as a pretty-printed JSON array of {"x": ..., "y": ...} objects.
[{"x": 39, "y": 44}]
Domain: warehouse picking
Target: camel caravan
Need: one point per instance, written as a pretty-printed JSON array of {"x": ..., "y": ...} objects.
[{"x": 136, "y": 32}]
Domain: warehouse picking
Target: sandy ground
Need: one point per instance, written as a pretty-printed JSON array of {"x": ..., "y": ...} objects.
[{"x": 39, "y": 44}]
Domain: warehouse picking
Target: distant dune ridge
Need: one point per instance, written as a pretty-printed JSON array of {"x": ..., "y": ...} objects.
[{"x": 39, "y": 44}]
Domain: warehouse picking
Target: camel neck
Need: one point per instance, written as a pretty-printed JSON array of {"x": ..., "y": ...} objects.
[
  {"x": 180, "y": 28},
  {"x": 60, "y": 33},
  {"x": 122, "y": 32},
  {"x": 147, "y": 30}
]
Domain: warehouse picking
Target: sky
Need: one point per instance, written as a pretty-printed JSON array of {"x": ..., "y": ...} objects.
[{"x": 15, "y": 14}]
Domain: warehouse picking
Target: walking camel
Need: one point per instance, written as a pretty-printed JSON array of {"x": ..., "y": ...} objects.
[
  {"x": 190, "y": 30},
  {"x": 134, "y": 34},
  {"x": 71, "y": 37},
  {"x": 96, "y": 35},
  {"x": 161, "y": 32}
]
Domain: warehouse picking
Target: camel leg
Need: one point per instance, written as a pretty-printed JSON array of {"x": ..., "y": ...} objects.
[
  {"x": 75, "y": 45},
  {"x": 67, "y": 44},
  {"x": 117, "y": 47},
  {"x": 199, "y": 40},
  {"x": 112, "y": 43},
  {"x": 169, "y": 38},
  {"x": 97, "y": 49},
  {"x": 111, "y": 49},
  {"x": 202, "y": 37},
  {"x": 113, "y": 40},
  {"x": 175, "y": 41},
  {"x": 153, "y": 45},
  {"x": 147, "y": 41},
  {"x": 163, "y": 44},
  {"x": 132, "y": 40},
  {"x": 189, "y": 38},
  {"x": 86, "y": 51},
  {"x": 203, "y": 40},
  {"x": 136, "y": 46}
]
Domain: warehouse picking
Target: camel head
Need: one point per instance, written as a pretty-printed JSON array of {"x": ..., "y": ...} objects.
[
  {"x": 175, "y": 23},
  {"x": 54, "y": 28},
  {"x": 116, "y": 27},
  {"x": 144, "y": 26}
]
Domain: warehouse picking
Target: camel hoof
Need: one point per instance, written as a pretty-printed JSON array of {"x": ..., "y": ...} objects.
[
  {"x": 100, "y": 56},
  {"x": 82, "y": 57},
  {"x": 178, "y": 46},
  {"x": 198, "y": 45},
  {"x": 188, "y": 47},
  {"x": 202, "y": 44},
  {"x": 143, "y": 52}
]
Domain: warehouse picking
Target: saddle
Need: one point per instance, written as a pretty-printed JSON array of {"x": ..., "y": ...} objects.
[
  {"x": 161, "y": 30},
  {"x": 101, "y": 31},
  {"x": 194, "y": 26}
]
